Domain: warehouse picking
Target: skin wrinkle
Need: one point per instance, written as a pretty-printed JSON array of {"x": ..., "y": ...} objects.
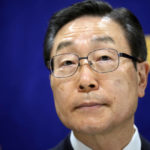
[
  {"x": 73, "y": 35},
  {"x": 118, "y": 90},
  {"x": 94, "y": 40},
  {"x": 93, "y": 46}
]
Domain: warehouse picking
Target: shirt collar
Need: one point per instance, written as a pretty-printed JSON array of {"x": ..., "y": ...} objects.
[{"x": 134, "y": 144}]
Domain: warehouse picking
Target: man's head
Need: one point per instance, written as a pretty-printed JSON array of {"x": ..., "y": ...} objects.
[
  {"x": 131, "y": 26},
  {"x": 92, "y": 99}
]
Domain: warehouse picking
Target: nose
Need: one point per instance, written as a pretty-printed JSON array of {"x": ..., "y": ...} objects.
[{"x": 87, "y": 79}]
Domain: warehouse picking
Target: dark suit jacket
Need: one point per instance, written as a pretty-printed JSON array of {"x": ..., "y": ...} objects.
[{"x": 66, "y": 145}]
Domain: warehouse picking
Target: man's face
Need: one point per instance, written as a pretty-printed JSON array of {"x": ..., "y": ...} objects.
[{"x": 91, "y": 102}]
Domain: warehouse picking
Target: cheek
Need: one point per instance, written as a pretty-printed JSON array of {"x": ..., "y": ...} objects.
[
  {"x": 62, "y": 90},
  {"x": 63, "y": 93},
  {"x": 124, "y": 83},
  {"x": 123, "y": 90}
]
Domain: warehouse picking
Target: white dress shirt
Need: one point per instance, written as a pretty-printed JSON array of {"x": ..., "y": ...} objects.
[{"x": 134, "y": 144}]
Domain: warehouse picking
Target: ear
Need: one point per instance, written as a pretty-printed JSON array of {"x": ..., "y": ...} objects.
[{"x": 143, "y": 70}]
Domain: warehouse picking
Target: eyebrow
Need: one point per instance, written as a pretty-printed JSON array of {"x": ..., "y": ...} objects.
[
  {"x": 103, "y": 39},
  {"x": 64, "y": 44}
]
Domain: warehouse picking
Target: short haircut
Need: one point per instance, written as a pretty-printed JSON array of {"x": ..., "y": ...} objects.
[{"x": 127, "y": 20}]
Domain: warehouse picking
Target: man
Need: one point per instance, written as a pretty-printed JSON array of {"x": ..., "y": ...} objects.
[{"x": 97, "y": 57}]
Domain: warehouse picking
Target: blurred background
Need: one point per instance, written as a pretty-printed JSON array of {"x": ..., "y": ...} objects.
[{"x": 28, "y": 120}]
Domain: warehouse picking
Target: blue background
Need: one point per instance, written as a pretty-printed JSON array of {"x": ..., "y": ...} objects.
[{"x": 28, "y": 120}]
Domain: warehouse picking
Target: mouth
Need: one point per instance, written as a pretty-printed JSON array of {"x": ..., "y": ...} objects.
[{"x": 89, "y": 106}]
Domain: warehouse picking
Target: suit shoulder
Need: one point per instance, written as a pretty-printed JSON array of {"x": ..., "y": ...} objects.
[
  {"x": 63, "y": 145},
  {"x": 145, "y": 144}
]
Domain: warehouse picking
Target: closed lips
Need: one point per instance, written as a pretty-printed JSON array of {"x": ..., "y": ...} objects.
[{"x": 89, "y": 105}]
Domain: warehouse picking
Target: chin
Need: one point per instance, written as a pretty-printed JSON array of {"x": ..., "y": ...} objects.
[{"x": 90, "y": 128}]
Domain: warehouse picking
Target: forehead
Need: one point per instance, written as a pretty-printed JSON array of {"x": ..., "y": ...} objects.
[{"x": 82, "y": 31}]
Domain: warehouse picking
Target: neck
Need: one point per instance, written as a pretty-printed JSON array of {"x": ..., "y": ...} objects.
[{"x": 115, "y": 139}]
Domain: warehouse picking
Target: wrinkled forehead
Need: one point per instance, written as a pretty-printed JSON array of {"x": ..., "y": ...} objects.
[{"x": 85, "y": 30}]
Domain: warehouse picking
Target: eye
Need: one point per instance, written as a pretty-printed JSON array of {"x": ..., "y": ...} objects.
[
  {"x": 104, "y": 58},
  {"x": 67, "y": 63}
]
